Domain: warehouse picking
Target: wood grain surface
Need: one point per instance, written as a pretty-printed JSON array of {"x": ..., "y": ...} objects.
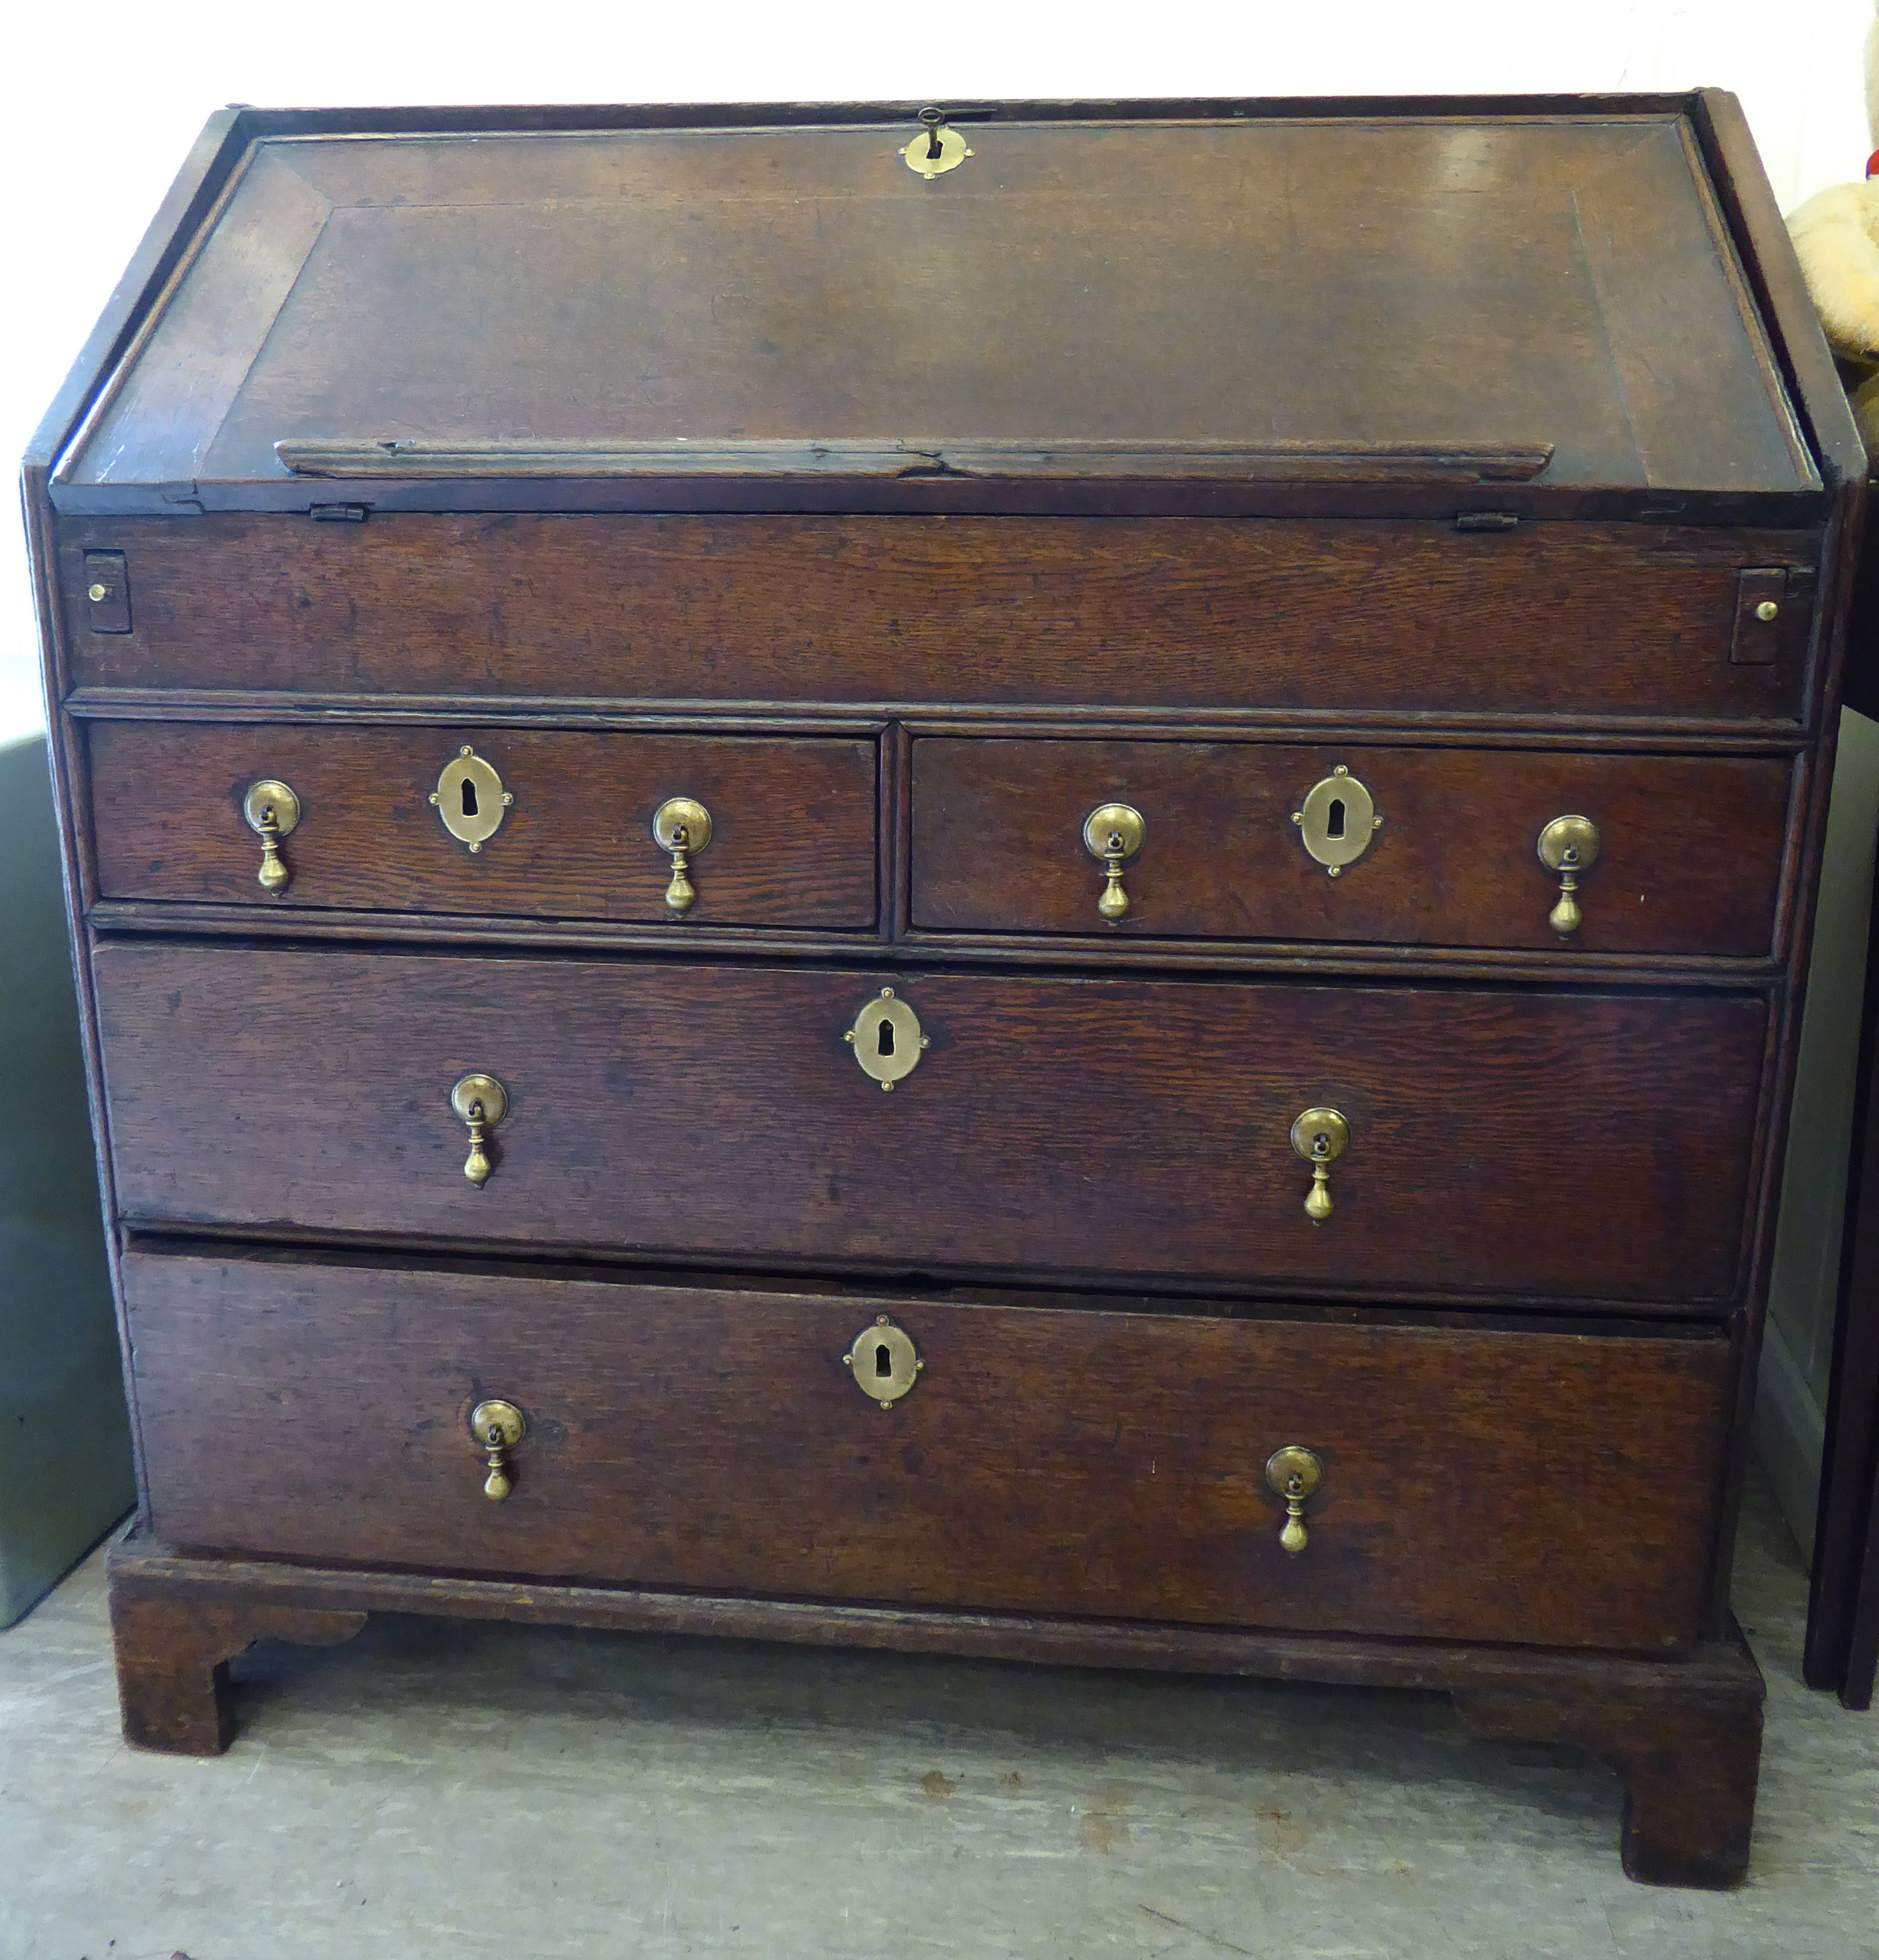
[
  {"x": 1690, "y": 846},
  {"x": 792, "y": 841},
  {"x": 1592, "y": 622},
  {"x": 1535, "y": 1487},
  {"x": 1550, "y": 1145}
]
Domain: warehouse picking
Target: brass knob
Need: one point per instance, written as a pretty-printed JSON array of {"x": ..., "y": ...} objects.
[
  {"x": 471, "y": 799},
  {"x": 681, "y": 826},
  {"x": 1112, "y": 833},
  {"x": 884, "y": 1361},
  {"x": 1567, "y": 846},
  {"x": 273, "y": 811},
  {"x": 498, "y": 1428},
  {"x": 1768, "y": 612},
  {"x": 480, "y": 1101},
  {"x": 1319, "y": 1136},
  {"x": 1294, "y": 1473},
  {"x": 887, "y": 1039}
]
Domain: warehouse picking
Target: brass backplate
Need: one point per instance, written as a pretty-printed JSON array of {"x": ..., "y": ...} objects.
[
  {"x": 884, "y": 1361},
  {"x": 1576, "y": 834},
  {"x": 497, "y": 1425},
  {"x": 1337, "y": 820},
  {"x": 1114, "y": 828},
  {"x": 1294, "y": 1471},
  {"x": 269, "y": 794},
  {"x": 887, "y": 1038},
  {"x": 471, "y": 799},
  {"x": 470, "y": 1089},
  {"x": 1328, "y": 1124},
  {"x": 685, "y": 813}
]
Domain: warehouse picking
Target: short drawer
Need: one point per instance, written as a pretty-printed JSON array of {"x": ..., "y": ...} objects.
[
  {"x": 569, "y": 819},
  {"x": 1417, "y": 846},
  {"x": 1593, "y": 621},
  {"x": 1573, "y": 1145},
  {"x": 1485, "y": 1486}
]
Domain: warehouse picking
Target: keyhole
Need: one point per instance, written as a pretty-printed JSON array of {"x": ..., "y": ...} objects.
[
  {"x": 884, "y": 1045},
  {"x": 883, "y": 1365},
  {"x": 469, "y": 797},
  {"x": 1334, "y": 818}
]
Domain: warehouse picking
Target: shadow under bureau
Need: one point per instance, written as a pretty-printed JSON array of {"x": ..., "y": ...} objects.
[{"x": 1028, "y": 880}]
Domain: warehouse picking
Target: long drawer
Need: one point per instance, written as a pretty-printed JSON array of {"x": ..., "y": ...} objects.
[
  {"x": 1571, "y": 1146},
  {"x": 1404, "y": 846},
  {"x": 1595, "y": 621},
  {"x": 1485, "y": 1486},
  {"x": 790, "y": 842}
]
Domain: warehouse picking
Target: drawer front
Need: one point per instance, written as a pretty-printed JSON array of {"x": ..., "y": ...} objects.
[
  {"x": 1690, "y": 861},
  {"x": 1585, "y": 620},
  {"x": 792, "y": 844},
  {"x": 1567, "y": 1145},
  {"x": 1481, "y": 1486}
]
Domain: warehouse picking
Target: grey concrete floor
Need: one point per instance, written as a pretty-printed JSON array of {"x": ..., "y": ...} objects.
[{"x": 435, "y": 1789}]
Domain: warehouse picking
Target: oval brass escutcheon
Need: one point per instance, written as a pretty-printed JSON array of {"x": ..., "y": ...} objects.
[
  {"x": 471, "y": 799},
  {"x": 887, "y": 1038},
  {"x": 1337, "y": 820},
  {"x": 884, "y": 1361}
]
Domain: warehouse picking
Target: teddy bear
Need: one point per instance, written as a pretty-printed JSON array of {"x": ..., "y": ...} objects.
[{"x": 1836, "y": 235}]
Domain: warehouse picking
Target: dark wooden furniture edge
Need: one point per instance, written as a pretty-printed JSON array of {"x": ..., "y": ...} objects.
[
  {"x": 1842, "y": 1651},
  {"x": 1683, "y": 1736}
]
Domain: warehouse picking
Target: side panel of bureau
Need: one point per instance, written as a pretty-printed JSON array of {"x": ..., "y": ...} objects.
[
  {"x": 1517, "y": 1486},
  {"x": 1571, "y": 1146},
  {"x": 1345, "y": 615}
]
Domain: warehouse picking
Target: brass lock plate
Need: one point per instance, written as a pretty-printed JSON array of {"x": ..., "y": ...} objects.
[
  {"x": 471, "y": 799},
  {"x": 884, "y": 1361},
  {"x": 887, "y": 1038},
  {"x": 267, "y": 795},
  {"x": 937, "y": 149},
  {"x": 1337, "y": 820}
]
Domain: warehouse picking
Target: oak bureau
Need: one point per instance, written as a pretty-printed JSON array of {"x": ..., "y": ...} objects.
[{"x": 1024, "y": 879}]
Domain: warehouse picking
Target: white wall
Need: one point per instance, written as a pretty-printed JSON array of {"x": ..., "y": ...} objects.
[{"x": 99, "y": 104}]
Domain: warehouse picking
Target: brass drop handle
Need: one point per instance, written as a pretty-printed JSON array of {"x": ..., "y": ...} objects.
[
  {"x": 481, "y": 1102},
  {"x": 682, "y": 826},
  {"x": 498, "y": 1428},
  {"x": 273, "y": 811},
  {"x": 1112, "y": 833},
  {"x": 1567, "y": 846},
  {"x": 1294, "y": 1473},
  {"x": 1319, "y": 1137}
]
